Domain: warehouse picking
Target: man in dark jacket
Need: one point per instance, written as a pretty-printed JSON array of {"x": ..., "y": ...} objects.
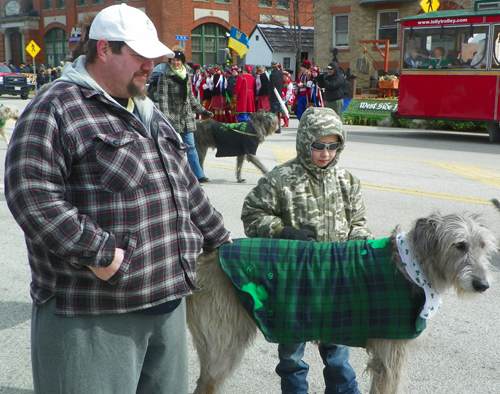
[
  {"x": 334, "y": 88},
  {"x": 276, "y": 81}
]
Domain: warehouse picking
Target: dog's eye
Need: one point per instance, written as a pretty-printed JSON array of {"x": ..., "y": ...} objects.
[
  {"x": 482, "y": 245},
  {"x": 461, "y": 246}
]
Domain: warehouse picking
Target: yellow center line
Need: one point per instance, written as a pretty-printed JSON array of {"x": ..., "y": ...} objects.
[
  {"x": 423, "y": 193},
  {"x": 474, "y": 172}
]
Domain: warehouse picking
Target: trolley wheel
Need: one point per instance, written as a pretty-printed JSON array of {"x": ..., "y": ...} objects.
[{"x": 494, "y": 131}]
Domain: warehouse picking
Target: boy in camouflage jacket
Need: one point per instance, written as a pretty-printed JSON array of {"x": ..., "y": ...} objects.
[{"x": 311, "y": 198}]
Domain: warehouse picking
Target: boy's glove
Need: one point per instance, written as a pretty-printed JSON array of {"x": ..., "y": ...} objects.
[{"x": 300, "y": 235}]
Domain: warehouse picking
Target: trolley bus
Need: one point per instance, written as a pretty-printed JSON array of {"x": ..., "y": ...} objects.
[{"x": 450, "y": 66}]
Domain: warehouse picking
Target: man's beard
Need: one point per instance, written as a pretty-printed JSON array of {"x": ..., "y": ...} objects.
[{"x": 138, "y": 92}]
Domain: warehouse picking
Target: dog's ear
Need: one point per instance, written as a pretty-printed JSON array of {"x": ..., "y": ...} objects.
[{"x": 424, "y": 234}]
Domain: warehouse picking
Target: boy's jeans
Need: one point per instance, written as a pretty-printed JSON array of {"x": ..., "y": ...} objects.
[{"x": 339, "y": 376}]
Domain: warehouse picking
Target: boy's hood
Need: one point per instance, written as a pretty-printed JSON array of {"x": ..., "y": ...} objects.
[{"x": 317, "y": 122}]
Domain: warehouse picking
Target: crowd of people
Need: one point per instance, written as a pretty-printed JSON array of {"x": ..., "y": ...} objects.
[
  {"x": 114, "y": 214},
  {"x": 234, "y": 92},
  {"x": 44, "y": 74}
]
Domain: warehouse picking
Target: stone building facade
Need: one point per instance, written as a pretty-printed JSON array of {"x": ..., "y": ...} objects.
[
  {"x": 340, "y": 25},
  {"x": 201, "y": 26}
]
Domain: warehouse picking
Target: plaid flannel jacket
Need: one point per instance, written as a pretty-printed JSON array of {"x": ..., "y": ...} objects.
[
  {"x": 178, "y": 112},
  {"x": 339, "y": 292},
  {"x": 83, "y": 177}
]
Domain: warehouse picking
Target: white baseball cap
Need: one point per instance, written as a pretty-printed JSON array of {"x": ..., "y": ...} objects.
[{"x": 131, "y": 25}]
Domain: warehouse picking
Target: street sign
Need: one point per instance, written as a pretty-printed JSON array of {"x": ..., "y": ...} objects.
[
  {"x": 182, "y": 38},
  {"x": 32, "y": 48},
  {"x": 429, "y": 5}
]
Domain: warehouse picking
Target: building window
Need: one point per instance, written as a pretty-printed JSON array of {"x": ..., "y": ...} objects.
[
  {"x": 265, "y": 3},
  {"x": 282, "y": 4},
  {"x": 222, "y": 1},
  {"x": 60, "y": 4},
  {"x": 206, "y": 40},
  {"x": 29, "y": 5},
  {"x": 56, "y": 46},
  {"x": 47, "y": 4},
  {"x": 82, "y": 3},
  {"x": 387, "y": 28},
  {"x": 340, "y": 31},
  {"x": 286, "y": 62},
  {"x": 97, "y": 1}
]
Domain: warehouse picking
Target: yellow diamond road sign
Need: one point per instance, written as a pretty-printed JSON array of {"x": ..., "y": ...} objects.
[
  {"x": 429, "y": 5},
  {"x": 32, "y": 48}
]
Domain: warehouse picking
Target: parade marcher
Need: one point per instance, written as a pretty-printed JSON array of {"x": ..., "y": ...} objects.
[
  {"x": 207, "y": 85},
  {"x": 113, "y": 217},
  {"x": 333, "y": 83},
  {"x": 288, "y": 96},
  {"x": 313, "y": 90},
  {"x": 243, "y": 92},
  {"x": 195, "y": 82},
  {"x": 276, "y": 87},
  {"x": 311, "y": 198},
  {"x": 231, "y": 83},
  {"x": 220, "y": 99},
  {"x": 177, "y": 102},
  {"x": 261, "y": 89},
  {"x": 301, "y": 99}
]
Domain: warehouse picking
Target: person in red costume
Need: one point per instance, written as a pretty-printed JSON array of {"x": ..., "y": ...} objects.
[{"x": 244, "y": 94}]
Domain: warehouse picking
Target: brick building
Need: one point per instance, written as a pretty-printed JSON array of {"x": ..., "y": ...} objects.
[
  {"x": 52, "y": 24},
  {"x": 341, "y": 25}
]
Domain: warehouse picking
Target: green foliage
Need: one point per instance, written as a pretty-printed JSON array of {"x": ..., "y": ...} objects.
[{"x": 408, "y": 123}]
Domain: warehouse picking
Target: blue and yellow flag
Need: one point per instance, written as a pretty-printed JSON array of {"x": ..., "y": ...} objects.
[{"x": 238, "y": 41}]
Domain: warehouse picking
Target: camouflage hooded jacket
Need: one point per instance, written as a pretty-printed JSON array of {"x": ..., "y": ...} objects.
[{"x": 300, "y": 195}]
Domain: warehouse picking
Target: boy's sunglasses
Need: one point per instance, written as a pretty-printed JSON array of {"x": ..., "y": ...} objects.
[{"x": 319, "y": 146}]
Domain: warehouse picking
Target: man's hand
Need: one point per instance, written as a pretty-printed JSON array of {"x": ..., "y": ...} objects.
[{"x": 107, "y": 272}]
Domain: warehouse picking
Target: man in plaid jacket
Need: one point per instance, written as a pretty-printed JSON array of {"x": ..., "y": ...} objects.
[{"x": 113, "y": 218}]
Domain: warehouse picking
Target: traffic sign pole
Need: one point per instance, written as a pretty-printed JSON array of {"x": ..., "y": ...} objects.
[{"x": 33, "y": 50}]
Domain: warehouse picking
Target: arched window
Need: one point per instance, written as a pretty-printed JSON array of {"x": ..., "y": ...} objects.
[
  {"x": 56, "y": 46},
  {"x": 206, "y": 40}
]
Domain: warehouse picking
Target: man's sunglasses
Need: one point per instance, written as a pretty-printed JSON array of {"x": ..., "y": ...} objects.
[{"x": 319, "y": 146}]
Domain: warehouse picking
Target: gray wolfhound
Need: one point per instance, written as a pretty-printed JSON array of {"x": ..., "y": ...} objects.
[
  {"x": 452, "y": 251},
  {"x": 237, "y": 139},
  {"x": 6, "y": 113}
]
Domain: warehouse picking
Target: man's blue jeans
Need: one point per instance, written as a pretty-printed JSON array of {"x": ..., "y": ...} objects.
[
  {"x": 339, "y": 376},
  {"x": 193, "y": 159}
]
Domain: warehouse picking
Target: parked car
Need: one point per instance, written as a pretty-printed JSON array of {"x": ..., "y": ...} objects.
[
  {"x": 13, "y": 83},
  {"x": 152, "y": 84}
]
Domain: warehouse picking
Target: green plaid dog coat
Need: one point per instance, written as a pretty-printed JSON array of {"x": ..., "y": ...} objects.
[{"x": 344, "y": 293}]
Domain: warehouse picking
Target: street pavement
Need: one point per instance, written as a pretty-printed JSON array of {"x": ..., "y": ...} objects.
[{"x": 406, "y": 174}]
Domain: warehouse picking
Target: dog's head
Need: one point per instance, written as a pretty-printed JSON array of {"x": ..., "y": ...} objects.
[
  {"x": 455, "y": 251},
  {"x": 265, "y": 124},
  {"x": 8, "y": 112}
]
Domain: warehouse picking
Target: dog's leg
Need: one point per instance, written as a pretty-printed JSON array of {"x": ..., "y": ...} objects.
[
  {"x": 256, "y": 162},
  {"x": 4, "y": 134},
  {"x": 220, "y": 326},
  {"x": 239, "y": 166},
  {"x": 387, "y": 364}
]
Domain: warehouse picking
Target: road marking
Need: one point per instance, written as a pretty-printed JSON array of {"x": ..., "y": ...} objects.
[
  {"x": 423, "y": 193},
  {"x": 476, "y": 173},
  {"x": 283, "y": 154}
]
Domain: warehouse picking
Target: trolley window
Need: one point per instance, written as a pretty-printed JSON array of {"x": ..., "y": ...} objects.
[{"x": 448, "y": 47}]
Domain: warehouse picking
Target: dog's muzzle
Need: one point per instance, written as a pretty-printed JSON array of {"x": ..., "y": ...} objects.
[{"x": 480, "y": 285}]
